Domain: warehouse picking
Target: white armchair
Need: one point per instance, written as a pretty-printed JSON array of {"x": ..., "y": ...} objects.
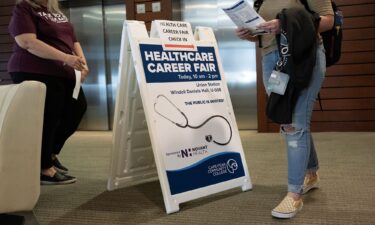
[{"x": 21, "y": 124}]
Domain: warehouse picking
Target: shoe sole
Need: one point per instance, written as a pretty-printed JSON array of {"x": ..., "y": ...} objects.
[
  {"x": 285, "y": 215},
  {"x": 314, "y": 186},
  {"x": 58, "y": 183}
]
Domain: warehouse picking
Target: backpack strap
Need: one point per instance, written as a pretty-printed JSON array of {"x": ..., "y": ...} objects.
[
  {"x": 257, "y": 5},
  {"x": 304, "y": 2},
  {"x": 320, "y": 102}
]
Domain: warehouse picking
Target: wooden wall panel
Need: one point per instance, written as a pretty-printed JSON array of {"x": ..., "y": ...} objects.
[
  {"x": 358, "y": 22},
  {"x": 6, "y": 42},
  {"x": 4, "y": 20},
  {"x": 359, "y": 34},
  {"x": 351, "y": 69},
  {"x": 348, "y": 91},
  {"x": 331, "y": 116},
  {"x": 349, "y": 81},
  {"x": 5, "y": 10},
  {"x": 345, "y": 104},
  {"x": 358, "y": 10},
  {"x": 351, "y": 92},
  {"x": 358, "y": 45},
  {"x": 352, "y": 2},
  {"x": 357, "y": 57},
  {"x": 4, "y": 57},
  {"x": 5, "y": 39},
  {"x": 6, "y": 48},
  {"x": 4, "y": 29},
  {"x": 7, "y": 3}
]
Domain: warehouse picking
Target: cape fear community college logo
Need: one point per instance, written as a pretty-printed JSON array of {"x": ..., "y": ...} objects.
[
  {"x": 223, "y": 168},
  {"x": 232, "y": 165}
]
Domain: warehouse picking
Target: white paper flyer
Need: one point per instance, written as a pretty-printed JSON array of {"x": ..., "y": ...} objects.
[{"x": 244, "y": 15}]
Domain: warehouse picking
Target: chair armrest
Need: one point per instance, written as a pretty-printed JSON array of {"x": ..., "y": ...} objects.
[{"x": 21, "y": 125}]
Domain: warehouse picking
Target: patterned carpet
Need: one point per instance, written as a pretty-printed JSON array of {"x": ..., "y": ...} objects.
[{"x": 346, "y": 196}]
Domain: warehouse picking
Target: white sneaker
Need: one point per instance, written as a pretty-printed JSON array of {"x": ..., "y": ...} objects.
[{"x": 287, "y": 208}]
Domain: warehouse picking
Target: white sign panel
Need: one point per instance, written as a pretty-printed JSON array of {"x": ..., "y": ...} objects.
[
  {"x": 132, "y": 159},
  {"x": 174, "y": 35},
  {"x": 191, "y": 115},
  {"x": 190, "y": 118}
]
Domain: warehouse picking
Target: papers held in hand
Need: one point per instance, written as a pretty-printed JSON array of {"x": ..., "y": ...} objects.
[{"x": 244, "y": 16}]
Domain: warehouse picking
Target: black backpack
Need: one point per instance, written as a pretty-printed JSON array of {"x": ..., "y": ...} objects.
[{"x": 332, "y": 39}]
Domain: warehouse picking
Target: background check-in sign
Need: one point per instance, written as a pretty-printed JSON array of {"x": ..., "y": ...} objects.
[{"x": 174, "y": 35}]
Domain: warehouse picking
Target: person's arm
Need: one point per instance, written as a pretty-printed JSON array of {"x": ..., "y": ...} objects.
[
  {"x": 79, "y": 52},
  {"x": 29, "y": 42},
  {"x": 326, "y": 23},
  {"x": 273, "y": 26},
  {"x": 325, "y": 10}
]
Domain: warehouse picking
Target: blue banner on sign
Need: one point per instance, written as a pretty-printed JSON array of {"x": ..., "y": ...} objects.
[
  {"x": 212, "y": 170},
  {"x": 179, "y": 66}
]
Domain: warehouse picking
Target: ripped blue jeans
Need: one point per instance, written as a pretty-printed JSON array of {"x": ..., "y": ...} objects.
[{"x": 301, "y": 151}]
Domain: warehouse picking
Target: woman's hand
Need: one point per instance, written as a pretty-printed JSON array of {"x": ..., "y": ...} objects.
[
  {"x": 79, "y": 52},
  {"x": 272, "y": 26},
  {"x": 75, "y": 62},
  {"x": 245, "y": 34},
  {"x": 84, "y": 73}
]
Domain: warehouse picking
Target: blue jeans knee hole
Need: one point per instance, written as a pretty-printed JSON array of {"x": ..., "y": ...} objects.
[{"x": 291, "y": 131}]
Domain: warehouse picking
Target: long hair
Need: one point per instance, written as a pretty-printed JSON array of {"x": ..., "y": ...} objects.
[{"x": 52, "y": 5}]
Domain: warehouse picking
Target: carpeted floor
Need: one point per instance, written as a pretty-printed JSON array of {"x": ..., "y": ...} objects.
[{"x": 346, "y": 196}]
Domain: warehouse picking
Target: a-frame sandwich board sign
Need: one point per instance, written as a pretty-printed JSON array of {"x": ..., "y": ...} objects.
[{"x": 190, "y": 121}]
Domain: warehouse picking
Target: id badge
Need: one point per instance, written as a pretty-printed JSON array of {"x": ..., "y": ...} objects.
[{"x": 278, "y": 82}]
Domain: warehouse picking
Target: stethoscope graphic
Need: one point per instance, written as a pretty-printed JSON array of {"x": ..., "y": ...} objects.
[{"x": 209, "y": 137}]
